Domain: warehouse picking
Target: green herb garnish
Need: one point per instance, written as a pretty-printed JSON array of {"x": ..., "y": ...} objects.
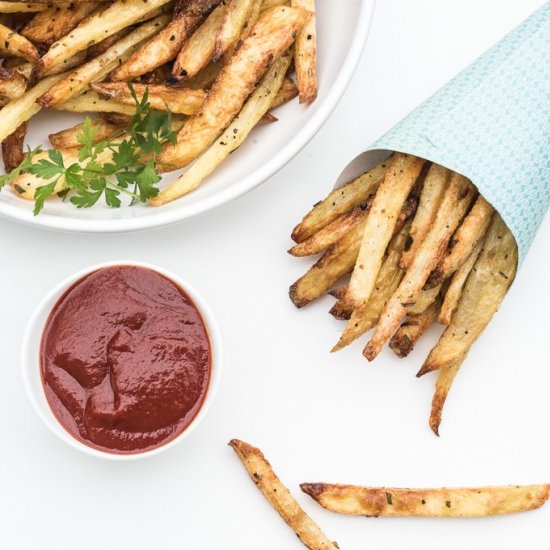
[{"x": 131, "y": 168}]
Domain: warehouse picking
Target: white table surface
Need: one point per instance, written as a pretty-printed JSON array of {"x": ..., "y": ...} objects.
[{"x": 317, "y": 417}]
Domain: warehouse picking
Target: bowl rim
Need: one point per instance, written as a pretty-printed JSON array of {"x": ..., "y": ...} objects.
[
  {"x": 30, "y": 363},
  {"x": 187, "y": 211}
]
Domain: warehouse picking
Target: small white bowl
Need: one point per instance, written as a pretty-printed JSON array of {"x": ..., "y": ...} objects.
[{"x": 30, "y": 362}]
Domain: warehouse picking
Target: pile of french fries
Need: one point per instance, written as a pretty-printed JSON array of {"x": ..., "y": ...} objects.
[
  {"x": 221, "y": 66},
  {"x": 421, "y": 245},
  {"x": 382, "y": 501}
]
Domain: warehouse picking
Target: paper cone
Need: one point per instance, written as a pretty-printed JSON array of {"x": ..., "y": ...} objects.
[{"x": 491, "y": 124}]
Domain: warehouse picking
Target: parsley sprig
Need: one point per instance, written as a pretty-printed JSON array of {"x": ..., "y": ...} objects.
[{"x": 131, "y": 168}]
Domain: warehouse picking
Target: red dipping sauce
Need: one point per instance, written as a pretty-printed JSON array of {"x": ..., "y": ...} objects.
[{"x": 125, "y": 360}]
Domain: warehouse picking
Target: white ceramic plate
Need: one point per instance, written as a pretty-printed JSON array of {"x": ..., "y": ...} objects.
[{"x": 342, "y": 32}]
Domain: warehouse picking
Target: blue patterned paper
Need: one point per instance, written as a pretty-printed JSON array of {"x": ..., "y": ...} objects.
[{"x": 492, "y": 124}]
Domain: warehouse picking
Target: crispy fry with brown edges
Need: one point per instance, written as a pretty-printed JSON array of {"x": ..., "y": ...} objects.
[
  {"x": 439, "y": 503},
  {"x": 463, "y": 242},
  {"x": 434, "y": 186},
  {"x": 249, "y": 116},
  {"x": 12, "y": 83},
  {"x": 13, "y": 44},
  {"x": 332, "y": 232},
  {"x": 198, "y": 51},
  {"x": 272, "y": 35},
  {"x": 166, "y": 44},
  {"x": 67, "y": 139},
  {"x": 235, "y": 18},
  {"x": 389, "y": 277},
  {"x": 178, "y": 100},
  {"x": 90, "y": 102},
  {"x": 97, "y": 27},
  {"x": 412, "y": 329},
  {"x": 443, "y": 386},
  {"x": 96, "y": 69},
  {"x": 452, "y": 296},
  {"x": 340, "y": 201},
  {"x": 487, "y": 284},
  {"x": 338, "y": 260},
  {"x": 47, "y": 27},
  {"x": 263, "y": 476},
  {"x": 456, "y": 201},
  {"x": 305, "y": 57},
  {"x": 13, "y": 148},
  {"x": 341, "y": 310},
  {"x": 401, "y": 176}
]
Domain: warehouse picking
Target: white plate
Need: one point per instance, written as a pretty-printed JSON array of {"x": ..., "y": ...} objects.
[{"x": 342, "y": 32}]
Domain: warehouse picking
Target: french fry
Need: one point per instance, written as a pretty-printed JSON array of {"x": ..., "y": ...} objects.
[
  {"x": 452, "y": 296},
  {"x": 332, "y": 232},
  {"x": 165, "y": 45},
  {"x": 12, "y": 83},
  {"x": 440, "y": 503},
  {"x": 235, "y": 17},
  {"x": 268, "y": 4},
  {"x": 96, "y": 69},
  {"x": 247, "y": 29},
  {"x": 412, "y": 329},
  {"x": 338, "y": 261},
  {"x": 48, "y": 26},
  {"x": 463, "y": 242},
  {"x": 205, "y": 78},
  {"x": 99, "y": 48},
  {"x": 263, "y": 476},
  {"x": 26, "y": 184},
  {"x": 305, "y": 57},
  {"x": 252, "y": 112},
  {"x": 97, "y": 27},
  {"x": 19, "y": 110},
  {"x": 70, "y": 63},
  {"x": 67, "y": 139},
  {"x": 424, "y": 300},
  {"x": 90, "y": 102},
  {"x": 13, "y": 148},
  {"x": 197, "y": 52},
  {"x": 443, "y": 386},
  {"x": 340, "y": 292},
  {"x": 389, "y": 277},
  {"x": 162, "y": 98},
  {"x": 287, "y": 92},
  {"x": 340, "y": 201},
  {"x": 272, "y": 35},
  {"x": 341, "y": 310},
  {"x": 456, "y": 201},
  {"x": 487, "y": 284},
  {"x": 14, "y": 45},
  {"x": 401, "y": 175},
  {"x": 20, "y": 7},
  {"x": 434, "y": 186}
]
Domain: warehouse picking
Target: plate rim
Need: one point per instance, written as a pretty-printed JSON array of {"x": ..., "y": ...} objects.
[{"x": 12, "y": 212}]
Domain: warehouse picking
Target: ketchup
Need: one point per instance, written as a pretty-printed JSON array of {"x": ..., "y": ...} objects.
[{"x": 125, "y": 360}]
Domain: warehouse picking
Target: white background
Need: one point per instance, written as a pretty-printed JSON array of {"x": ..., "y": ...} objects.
[{"x": 317, "y": 417}]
